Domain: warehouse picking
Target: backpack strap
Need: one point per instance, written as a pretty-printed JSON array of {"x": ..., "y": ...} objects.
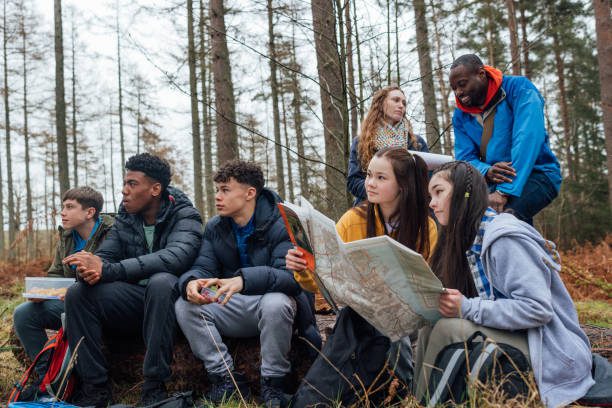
[
  {"x": 448, "y": 374},
  {"x": 487, "y": 132}
]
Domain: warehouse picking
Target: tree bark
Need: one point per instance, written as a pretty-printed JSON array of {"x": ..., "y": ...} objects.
[
  {"x": 388, "y": 42},
  {"x": 9, "y": 165},
  {"x": 350, "y": 69},
  {"x": 75, "y": 175},
  {"x": 278, "y": 152},
  {"x": 359, "y": 66},
  {"x": 603, "y": 28},
  {"x": 329, "y": 69},
  {"x": 195, "y": 114},
  {"x": 427, "y": 86},
  {"x": 290, "y": 187},
  {"x": 514, "y": 46},
  {"x": 227, "y": 134},
  {"x": 119, "y": 83},
  {"x": 397, "y": 47},
  {"x": 60, "y": 101},
  {"x": 524, "y": 41},
  {"x": 26, "y": 138},
  {"x": 206, "y": 128}
]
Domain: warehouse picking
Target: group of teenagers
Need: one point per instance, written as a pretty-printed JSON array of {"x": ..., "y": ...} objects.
[{"x": 151, "y": 269}]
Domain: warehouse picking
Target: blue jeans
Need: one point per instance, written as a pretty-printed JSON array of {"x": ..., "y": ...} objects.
[
  {"x": 538, "y": 192},
  {"x": 30, "y": 320}
]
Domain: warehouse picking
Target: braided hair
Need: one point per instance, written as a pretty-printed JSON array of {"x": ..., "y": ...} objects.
[{"x": 469, "y": 201}]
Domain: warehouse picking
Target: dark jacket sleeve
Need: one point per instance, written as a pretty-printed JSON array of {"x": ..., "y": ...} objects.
[
  {"x": 56, "y": 269},
  {"x": 111, "y": 248},
  {"x": 206, "y": 264},
  {"x": 274, "y": 277},
  {"x": 422, "y": 145},
  {"x": 355, "y": 181},
  {"x": 183, "y": 243}
]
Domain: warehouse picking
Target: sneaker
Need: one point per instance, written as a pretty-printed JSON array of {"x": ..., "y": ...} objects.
[
  {"x": 152, "y": 392},
  {"x": 272, "y": 392},
  {"x": 93, "y": 395},
  {"x": 222, "y": 387}
]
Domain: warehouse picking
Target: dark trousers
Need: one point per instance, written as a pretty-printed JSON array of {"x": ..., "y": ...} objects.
[
  {"x": 538, "y": 192},
  {"x": 126, "y": 309}
]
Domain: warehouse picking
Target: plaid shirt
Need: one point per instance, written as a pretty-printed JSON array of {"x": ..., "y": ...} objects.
[{"x": 481, "y": 281}]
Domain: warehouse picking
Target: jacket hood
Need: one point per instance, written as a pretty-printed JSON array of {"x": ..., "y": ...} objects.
[
  {"x": 107, "y": 221},
  {"x": 506, "y": 224}
]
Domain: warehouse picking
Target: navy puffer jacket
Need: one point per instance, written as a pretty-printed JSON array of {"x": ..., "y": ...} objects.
[
  {"x": 266, "y": 248},
  {"x": 177, "y": 239}
]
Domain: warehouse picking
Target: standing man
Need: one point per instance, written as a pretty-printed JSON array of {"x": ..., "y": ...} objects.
[
  {"x": 82, "y": 229},
  {"x": 243, "y": 255},
  {"x": 499, "y": 129},
  {"x": 130, "y": 284}
]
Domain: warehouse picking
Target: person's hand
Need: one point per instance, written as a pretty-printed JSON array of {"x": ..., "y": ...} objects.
[
  {"x": 194, "y": 295},
  {"x": 88, "y": 266},
  {"x": 294, "y": 260},
  {"x": 498, "y": 201},
  {"x": 500, "y": 172},
  {"x": 226, "y": 288},
  {"x": 450, "y": 303}
]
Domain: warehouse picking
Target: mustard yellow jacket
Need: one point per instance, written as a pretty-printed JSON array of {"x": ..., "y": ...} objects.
[{"x": 351, "y": 227}]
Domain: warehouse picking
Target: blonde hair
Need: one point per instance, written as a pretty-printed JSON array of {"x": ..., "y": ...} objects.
[{"x": 373, "y": 121}]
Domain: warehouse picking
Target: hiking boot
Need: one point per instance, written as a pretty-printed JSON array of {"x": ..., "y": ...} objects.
[
  {"x": 152, "y": 392},
  {"x": 272, "y": 392},
  {"x": 93, "y": 395},
  {"x": 222, "y": 387}
]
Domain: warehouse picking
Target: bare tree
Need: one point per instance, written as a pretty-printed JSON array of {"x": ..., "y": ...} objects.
[
  {"x": 227, "y": 135},
  {"x": 524, "y": 42},
  {"x": 432, "y": 129},
  {"x": 60, "y": 101},
  {"x": 195, "y": 114},
  {"x": 331, "y": 89},
  {"x": 75, "y": 175},
  {"x": 7, "y": 124},
  {"x": 206, "y": 125},
  {"x": 514, "y": 46},
  {"x": 359, "y": 66},
  {"x": 120, "y": 89},
  {"x": 603, "y": 27},
  {"x": 280, "y": 170}
]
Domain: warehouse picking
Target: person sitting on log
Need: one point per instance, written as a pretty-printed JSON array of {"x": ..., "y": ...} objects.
[
  {"x": 82, "y": 229},
  {"x": 130, "y": 285},
  {"x": 243, "y": 257}
]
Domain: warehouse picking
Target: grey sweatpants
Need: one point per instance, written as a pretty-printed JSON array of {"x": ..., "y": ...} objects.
[{"x": 270, "y": 316}]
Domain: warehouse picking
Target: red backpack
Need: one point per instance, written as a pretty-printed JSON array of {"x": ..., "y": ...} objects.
[{"x": 58, "y": 380}]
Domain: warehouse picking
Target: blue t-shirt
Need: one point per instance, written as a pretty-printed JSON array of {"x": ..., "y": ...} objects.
[
  {"x": 79, "y": 243},
  {"x": 242, "y": 233}
]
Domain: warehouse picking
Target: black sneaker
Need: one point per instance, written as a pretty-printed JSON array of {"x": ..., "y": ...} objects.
[
  {"x": 152, "y": 392},
  {"x": 222, "y": 387},
  {"x": 93, "y": 395},
  {"x": 272, "y": 392}
]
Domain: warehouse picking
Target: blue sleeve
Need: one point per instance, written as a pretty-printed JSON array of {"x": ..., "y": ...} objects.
[
  {"x": 528, "y": 135},
  {"x": 355, "y": 181},
  {"x": 465, "y": 148}
]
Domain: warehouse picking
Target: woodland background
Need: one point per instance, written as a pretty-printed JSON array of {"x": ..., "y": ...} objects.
[{"x": 285, "y": 83}]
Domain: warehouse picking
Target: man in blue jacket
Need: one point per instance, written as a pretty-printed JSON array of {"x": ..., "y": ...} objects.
[
  {"x": 242, "y": 259},
  {"x": 130, "y": 285},
  {"x": 517, "y": 162}
]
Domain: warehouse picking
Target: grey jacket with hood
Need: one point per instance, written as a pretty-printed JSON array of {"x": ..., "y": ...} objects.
[{"x": 523, "y": 267}]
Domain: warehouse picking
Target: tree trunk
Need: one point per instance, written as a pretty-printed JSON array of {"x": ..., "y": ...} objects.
[
  {"x": 328, "y": 67},
  {"x": 195, "y": 114},
  {"x": 603, "y": 27},
  {"x": 112, "y": 164},
  {"x": 119, "y": 84},
  {"x": 290, "y": 188},
  {"x": 9, "y": 165},
  {"x": 75, "y": 175},
  {"x": 560, "y": 67},
  {"x": 397, "y": 57},
  {"x": 491, "y": 27},
  {"x": 524, "y": 41},
  {"x": 444, "y": 91},
  {"x": 359, "y": 66},
  {"x": 60, "y": 101},
  {"x": 432, "y": 129},
  {"x": 206, "y": 128},
  {"x": 227, "y": 135},
  {"x": 344, "y": 102},
  {"x": 350, "y": 70},
  {"x": 388, "y": 42},
  {"x": 514, "y": 46},
  {"x": 26, "y": 138},
  {"x": 297, "y": 121},
  {"x": 278, "y": 152}
]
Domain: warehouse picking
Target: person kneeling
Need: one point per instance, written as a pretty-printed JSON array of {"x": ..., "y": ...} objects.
[
  {"x": 243, "y": 256},
  {"x": 503, "y": 281}
]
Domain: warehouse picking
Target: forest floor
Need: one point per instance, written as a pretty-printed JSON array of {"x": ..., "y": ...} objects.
[{"x": 586, "y": 273}]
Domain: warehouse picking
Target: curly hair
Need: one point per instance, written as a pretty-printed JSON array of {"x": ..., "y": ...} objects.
[
  {"x": 152, "y": 166},
  {"x": 374, "y": 120},
  {"x": 243, "y": 172}
]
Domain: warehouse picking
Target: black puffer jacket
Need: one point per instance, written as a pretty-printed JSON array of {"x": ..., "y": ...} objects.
[
  {"x": 177, "y": 239},
  {"x": 266, "y": 247}
]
